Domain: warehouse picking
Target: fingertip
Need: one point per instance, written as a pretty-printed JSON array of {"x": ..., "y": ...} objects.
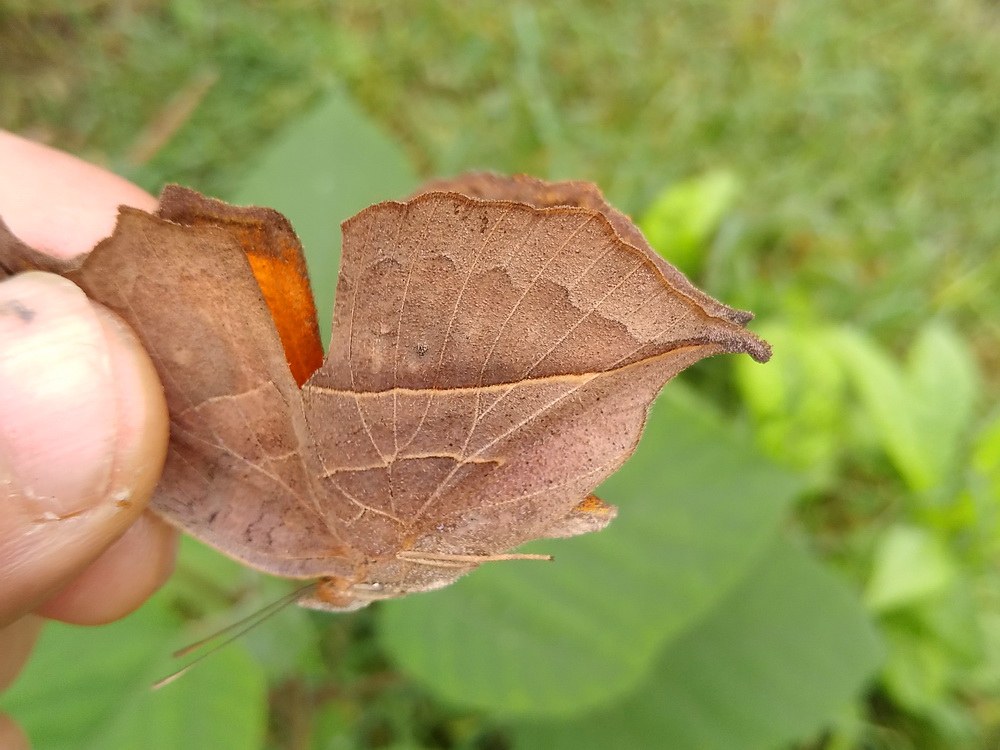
[
  {"x": 83, "y": 435},
  {"x": 59, "y": 204},
  {"x": 83, "y": 420},
  {"x": 11, "y": 735},
  {"x": 143, "y": 423},
  {"x": 121, "y": 579},
  {"x": 18, "y": 639},
  {"x": 57, "y": 401}
]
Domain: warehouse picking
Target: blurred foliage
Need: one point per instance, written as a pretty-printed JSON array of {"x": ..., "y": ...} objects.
[
  {"x": 833, "y": 166},
  {"x": 89, "y": 688},
  {"x": 686, "y": 215}
]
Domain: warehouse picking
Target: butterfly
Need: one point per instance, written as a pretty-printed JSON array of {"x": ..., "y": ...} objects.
[{"x": 497, "y": 343}]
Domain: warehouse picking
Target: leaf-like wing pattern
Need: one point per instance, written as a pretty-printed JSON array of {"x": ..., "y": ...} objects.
[
  {"x": 492, "y": 360},
  {"x": 491, "y": 363}
]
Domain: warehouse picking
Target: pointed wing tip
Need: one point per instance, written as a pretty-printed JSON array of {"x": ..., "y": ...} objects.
[
  {"x": 762, "y": 352},
  {"x": 738, "y": 340},
  {"x": 756, "y": 347},
  {"x": 741, "y": 317}
]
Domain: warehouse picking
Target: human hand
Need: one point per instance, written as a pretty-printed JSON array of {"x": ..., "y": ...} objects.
[{"x": 83, "y": 422}]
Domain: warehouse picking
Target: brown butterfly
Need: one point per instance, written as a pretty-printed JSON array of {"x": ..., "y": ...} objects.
[{"x": 497, "y": 343}]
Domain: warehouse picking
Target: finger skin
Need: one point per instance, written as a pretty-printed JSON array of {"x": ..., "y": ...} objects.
[
  {"x": 140, "y": 561},
  {"x": 64, "y": 206},
  {"x": 11, "y": 736},
  {"x": 59, "y": 204},
  {"x": 121, "y": 579},
  {"x": 17, "y": 639},
  {"x": 83, "y": 435}
]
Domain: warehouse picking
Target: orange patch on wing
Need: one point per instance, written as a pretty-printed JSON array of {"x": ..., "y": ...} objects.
[
  {"x": 593, "y": 505},
  {"x": 284, "y": 282},
  {"x": 279, "y": 267}
]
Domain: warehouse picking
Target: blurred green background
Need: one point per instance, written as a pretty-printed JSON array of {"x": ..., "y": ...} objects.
[{"x": 807, "y": 552}]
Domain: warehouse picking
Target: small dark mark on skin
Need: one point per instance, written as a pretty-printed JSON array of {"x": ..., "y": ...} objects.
[
  {"x": 19, "y": 309},
  {"x": 421, "y": 349}
]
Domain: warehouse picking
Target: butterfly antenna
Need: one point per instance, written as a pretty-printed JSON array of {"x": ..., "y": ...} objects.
[
  {"x": 446, "y": 560},
  {"x": 230, "y": 633}
]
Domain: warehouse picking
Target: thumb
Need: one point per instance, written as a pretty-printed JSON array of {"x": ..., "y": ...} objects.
[{"x": 83, "y": 435}]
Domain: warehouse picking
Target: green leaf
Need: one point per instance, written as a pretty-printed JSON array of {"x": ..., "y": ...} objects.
[
  {"x": 918, "y": 670},
  {"x": 776, "y": 661},
  {"x": 322, "y": 170},
  {"x": 333, "y": 729},
  {"x": 89, "y": 689},
  {"x": 943, "y": 386},
  {"x": 798, "y": 401},
  {"x": 217, "y": 591},
  {"x": 79, "y": 679},
  {"x": 982, "y": 494},
  {"x": 884, "y": 392},
  {"x": 986, "y": 453},
  {"x": 683, "y": 218},
  {"x": 286, "y": 645},
  {"x": 933, "y": 643},
  {"x": 910, "y": 565},
  {"x": 221, "y": 704},
  {"x": 205, "y": 579},
  {"x": 921, "y": 413},
  {"x": 698, "y": 506}
]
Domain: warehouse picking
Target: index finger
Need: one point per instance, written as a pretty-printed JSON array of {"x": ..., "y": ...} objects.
[{"x": 57, "y": 203}]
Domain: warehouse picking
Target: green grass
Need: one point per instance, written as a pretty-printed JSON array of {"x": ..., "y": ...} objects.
[{"x": 866, "y": 139}]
